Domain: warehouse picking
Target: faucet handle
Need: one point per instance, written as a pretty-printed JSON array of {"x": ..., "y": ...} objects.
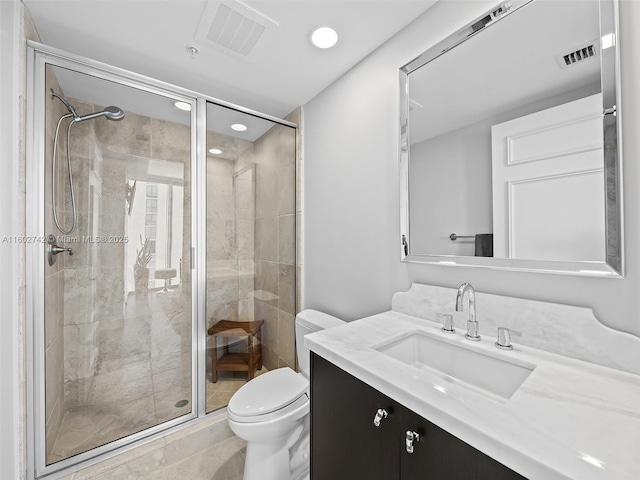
[
  {"x": 447, "y": 322},
  {"x": 504, "y": 338}
]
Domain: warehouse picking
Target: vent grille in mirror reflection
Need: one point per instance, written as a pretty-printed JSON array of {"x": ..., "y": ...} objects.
[{"x": 577, "y": 56}]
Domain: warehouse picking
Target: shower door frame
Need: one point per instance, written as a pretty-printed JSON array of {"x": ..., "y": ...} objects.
[{"x": 38, "y": 56}]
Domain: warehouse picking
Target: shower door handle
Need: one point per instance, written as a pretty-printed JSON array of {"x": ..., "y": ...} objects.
[
  {"x": 56, "y": 250},
  {"x": 53, "y": 250}
]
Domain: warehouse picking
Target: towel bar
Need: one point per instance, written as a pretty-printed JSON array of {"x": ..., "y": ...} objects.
[{"x": 454, "y": 236}]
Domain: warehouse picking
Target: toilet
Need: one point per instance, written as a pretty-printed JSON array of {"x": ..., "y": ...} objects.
[{"x": 271, "y": 412}]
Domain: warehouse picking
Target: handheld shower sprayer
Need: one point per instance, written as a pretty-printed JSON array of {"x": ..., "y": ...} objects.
[{"x": 111, "y": 113}]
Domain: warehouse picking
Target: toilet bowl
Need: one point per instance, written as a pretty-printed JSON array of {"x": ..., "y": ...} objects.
[{"x": 271, "y": 412}]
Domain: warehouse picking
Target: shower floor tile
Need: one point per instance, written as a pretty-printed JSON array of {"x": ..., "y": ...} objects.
[
  {"x": 142, "y": 379},
  {"x": 90, "y": 426}
]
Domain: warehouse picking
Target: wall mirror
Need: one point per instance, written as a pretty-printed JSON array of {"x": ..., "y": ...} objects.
[{"x": 509, "y": 154}]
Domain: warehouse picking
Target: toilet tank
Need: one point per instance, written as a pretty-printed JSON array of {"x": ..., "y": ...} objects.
[{"x": 309, "y": 321}]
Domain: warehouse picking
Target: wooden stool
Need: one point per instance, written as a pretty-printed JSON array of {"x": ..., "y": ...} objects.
[
  {"x": 165, "y": 274},
  {"x": 236, "y": 362}
]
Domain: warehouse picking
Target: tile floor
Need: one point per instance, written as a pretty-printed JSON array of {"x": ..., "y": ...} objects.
[
  {"x": 219, "y": 393},
  {"x": 206, "y": 450}
]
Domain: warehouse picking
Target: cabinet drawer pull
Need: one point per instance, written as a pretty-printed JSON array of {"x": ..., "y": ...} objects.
[
  {"x": 380, "y": 415},
  {"x": 410, "y": 438}
]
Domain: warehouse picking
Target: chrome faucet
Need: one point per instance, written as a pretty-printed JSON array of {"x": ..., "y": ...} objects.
[{"x": 472, "y": 324}]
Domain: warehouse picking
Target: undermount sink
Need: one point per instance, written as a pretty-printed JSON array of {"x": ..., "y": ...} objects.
[{"x": 468, "y": 366}]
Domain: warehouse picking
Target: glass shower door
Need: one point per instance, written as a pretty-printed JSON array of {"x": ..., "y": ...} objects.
[
  {"x": 250, "y": 249},
  {"x": 118, "y": 316}
]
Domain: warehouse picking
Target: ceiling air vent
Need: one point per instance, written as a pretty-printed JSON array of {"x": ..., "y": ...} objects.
[
  {"x": 233, "y": 27},
  {"x": 579, "y": 55}
]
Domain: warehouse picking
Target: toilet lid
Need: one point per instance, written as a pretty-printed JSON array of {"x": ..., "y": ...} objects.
[{"x": 268, "y": 392}]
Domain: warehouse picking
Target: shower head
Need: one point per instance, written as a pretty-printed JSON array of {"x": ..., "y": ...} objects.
[{"x": 111, "y": 112}]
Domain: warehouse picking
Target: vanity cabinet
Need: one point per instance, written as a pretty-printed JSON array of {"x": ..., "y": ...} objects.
[
  {"x": 344, "y": 442},
  {"x": 346, "y": 445}
]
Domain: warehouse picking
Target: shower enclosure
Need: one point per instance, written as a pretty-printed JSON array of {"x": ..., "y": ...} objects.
[{"x": 150, "y": 224}]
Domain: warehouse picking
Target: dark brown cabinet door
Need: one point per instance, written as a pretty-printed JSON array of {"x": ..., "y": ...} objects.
[
  {"x": 345, "y": 444},
  {"x": 438, "y": 455}
]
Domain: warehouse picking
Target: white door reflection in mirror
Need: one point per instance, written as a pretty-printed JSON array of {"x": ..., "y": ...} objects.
[{"x": 548, "y": 178}]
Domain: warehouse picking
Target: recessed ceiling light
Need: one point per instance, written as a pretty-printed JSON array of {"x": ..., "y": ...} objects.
[
  {"x": 215, "y": 151},
  {"x": 323, "y": 37},
  {"x": 183, "y": 106},
  {"x": 608, "y": 41},
  {"x": 238, "y": 127}
]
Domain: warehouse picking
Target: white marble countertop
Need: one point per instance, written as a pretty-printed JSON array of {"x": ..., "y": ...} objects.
[{"x": 569, "y": 419}]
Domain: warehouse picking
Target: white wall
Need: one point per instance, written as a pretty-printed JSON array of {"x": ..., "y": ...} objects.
[
  {"x": 11, "y": 433},
  {"x": 351, "y": 189},
  {"x": 450, "y": 190}
]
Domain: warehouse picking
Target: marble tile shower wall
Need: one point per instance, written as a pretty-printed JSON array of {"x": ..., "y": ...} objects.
[
  {"x": 82, "y": 273},
  {"x": 275, "y": 244},
  {"x": 297, "y": 118},
  {"x": 54, "y": 277},
  {"x": 230, "y": 232}
]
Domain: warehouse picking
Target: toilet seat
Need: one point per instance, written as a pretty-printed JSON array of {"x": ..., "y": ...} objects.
[{"x": 268, "y": 396}]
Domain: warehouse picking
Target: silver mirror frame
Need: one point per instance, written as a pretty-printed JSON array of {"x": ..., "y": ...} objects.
[{"x": 613, "y": 267}]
